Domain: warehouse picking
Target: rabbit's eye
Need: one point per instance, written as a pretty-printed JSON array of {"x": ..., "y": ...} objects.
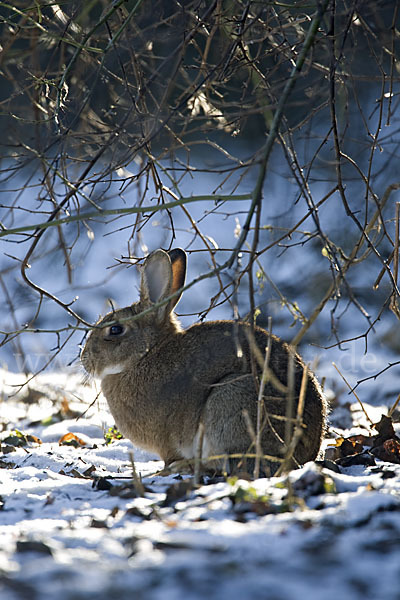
[{"x": 116, "y": 330}]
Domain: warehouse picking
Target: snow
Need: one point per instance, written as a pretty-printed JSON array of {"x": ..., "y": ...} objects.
[{"x": 63, "y": 537}]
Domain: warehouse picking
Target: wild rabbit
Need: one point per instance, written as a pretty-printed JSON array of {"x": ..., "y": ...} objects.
[{"x": 162, "y": 381}]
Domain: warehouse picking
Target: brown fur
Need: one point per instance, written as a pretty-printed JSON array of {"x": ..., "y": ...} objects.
[{"x": 171, "y": 379}]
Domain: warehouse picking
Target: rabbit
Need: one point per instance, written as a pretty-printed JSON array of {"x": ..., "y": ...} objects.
[{"x": 161, "y": 381}]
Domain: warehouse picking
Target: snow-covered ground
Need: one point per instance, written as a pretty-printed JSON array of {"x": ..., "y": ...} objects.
[{"x": 73, "y": 527}]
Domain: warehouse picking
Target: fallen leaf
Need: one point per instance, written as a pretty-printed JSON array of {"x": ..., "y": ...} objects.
[
  {"x": 389, "y": 451},
  {"x": 16, "y": 438},
  {"x": 349, "y": 447},
  {"x": 33, "y": 546},
  {"x": 261, "y": 508},
  {"x": 364, "y": 440},
  {"x": 70, "y": 439},
  {"x": 34, "y": 439},
  {"x": 171, "y": 523},
  {"x": 19, "y": 439},
  {"x": 385, "y": 431},
  {"x": 392, "y": 447},
  {"x": 6, "y": 448},
  {"x": 134, "y": 511},
  {"x": 66, "y": 411},
  {"x": 89, "y": 471},
  {"x": 102, "y": 484},
  {"x": 362, "y": 458},
  {"x": 177, "y": 491},
  {"x": 343, "y": 447},
  {"x": 32, "y": 396},
  {"x": 125, "y": 490},
  {"x": 97, "y": 524},
  {"x": 72, "y": 473},
  {"x": 114, "y": 512}
]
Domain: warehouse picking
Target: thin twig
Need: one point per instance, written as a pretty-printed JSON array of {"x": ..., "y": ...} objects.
[
  {"x": 290, "y": 396},
  {"x": 250, "y": 429},
  {"x": 394, "y": 301},
  {"x": 199, "y": 453},
  {"x": 122, "y": 210},
  {"x": 353, "y": 392},
  {"x": 393, "y": 408},
  {"x": 137, "y": 482},
  {"x": 299, "y": 425},
  {"x": 260, "y": 400},
  {"x": 331, "y": 290}
]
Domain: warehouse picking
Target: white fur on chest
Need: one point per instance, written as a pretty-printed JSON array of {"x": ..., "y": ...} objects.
[{"x": 111, "y": 370}]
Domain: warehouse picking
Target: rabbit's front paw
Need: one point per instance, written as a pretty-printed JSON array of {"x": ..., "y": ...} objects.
[{"x": 182, "y": 466}]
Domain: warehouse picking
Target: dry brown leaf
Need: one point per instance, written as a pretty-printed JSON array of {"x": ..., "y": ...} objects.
[
  {"x": 385, "y": 430},
  {"x": 33, "y": 438},
  {"x": 70, "y": 439}
]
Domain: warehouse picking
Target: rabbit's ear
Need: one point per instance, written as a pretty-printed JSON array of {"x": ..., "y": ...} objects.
[
  {"x": 162, "y": 275},
  {"x": 178, "y": 263},
  {"x": 156, "y": 277}
]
